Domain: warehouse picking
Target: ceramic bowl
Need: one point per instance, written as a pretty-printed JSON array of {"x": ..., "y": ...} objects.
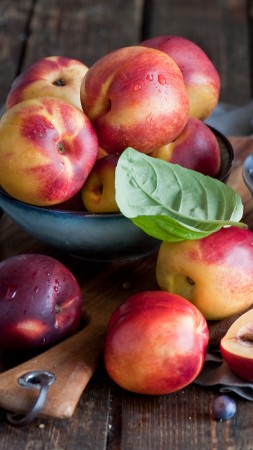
[
  {"x": 104, "y": 237},
  {"x": 247, "y": 172},
  {"x": 227, "y": 155}
]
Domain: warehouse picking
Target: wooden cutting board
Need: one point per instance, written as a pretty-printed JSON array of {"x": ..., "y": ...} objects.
[{"x": 73, "y": 362}]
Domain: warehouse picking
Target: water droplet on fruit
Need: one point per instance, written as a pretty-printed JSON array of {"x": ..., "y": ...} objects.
[
  {"x": 11, "y": 292},
  {"x": 149, "y": 77},
  {"x": 137, "y": 87},
  {"x": 56, "y": 289},
  {"x": 57, "y": 309},
  {"x": 161, "y": 79},
  {"x": 36, "y": 289}
]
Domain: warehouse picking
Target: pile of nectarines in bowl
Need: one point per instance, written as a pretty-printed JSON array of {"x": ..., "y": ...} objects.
[
  {"x": 66, "y": 125},
  {"x": 95, "y": 236}
]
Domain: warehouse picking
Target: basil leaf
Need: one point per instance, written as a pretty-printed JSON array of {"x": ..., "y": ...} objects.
[
  {"x": 167, "y": 229},
  {"x": 170, "y": 202}
]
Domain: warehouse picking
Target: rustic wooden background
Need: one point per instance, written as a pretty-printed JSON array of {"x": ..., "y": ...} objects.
[
  {"x": 107, "y": 417},
  {"x": 87, "y": 29}
]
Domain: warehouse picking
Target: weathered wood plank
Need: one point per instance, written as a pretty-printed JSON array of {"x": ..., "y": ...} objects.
[
  {"x": 86, "y": 30},
  {"x": 87, "y": 429},
  {"x": 182, "y": 420},
  {"x": 14, "y": 18},
  {"x": 221, "y": 28}
]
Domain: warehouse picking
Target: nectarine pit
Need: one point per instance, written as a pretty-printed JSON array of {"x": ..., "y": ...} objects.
[{"x": 245, "y": 335}]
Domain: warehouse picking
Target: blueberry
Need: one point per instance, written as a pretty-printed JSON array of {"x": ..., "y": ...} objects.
[{"x": 224, "y": 407}]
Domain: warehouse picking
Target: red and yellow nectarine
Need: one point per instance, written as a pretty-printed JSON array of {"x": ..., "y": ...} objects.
[
  {"x": 201, "y": 78},
  {"x": 214, "y": 273},
  {"x": 135, "y": 97},
  {"x": 47, "y": 149},
  {"x": 98, "y": 191},
  {"x": 196, "y": 148},
  {"x": 156, "y": 343},
  {"x": 56, "y": 76},
  {"x": 237, "y": 346},
  {"x": 40, "y": 302}
]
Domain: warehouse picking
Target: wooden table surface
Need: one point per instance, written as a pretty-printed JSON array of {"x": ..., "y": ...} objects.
[
  {"x": 106, "y": 416},
  {"x": 87, "y": 29}
]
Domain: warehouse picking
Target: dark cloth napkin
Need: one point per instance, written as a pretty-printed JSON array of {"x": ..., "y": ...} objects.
[
  {"x": 216, "y": 373},
  {"x": 232, "y": 120}
]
